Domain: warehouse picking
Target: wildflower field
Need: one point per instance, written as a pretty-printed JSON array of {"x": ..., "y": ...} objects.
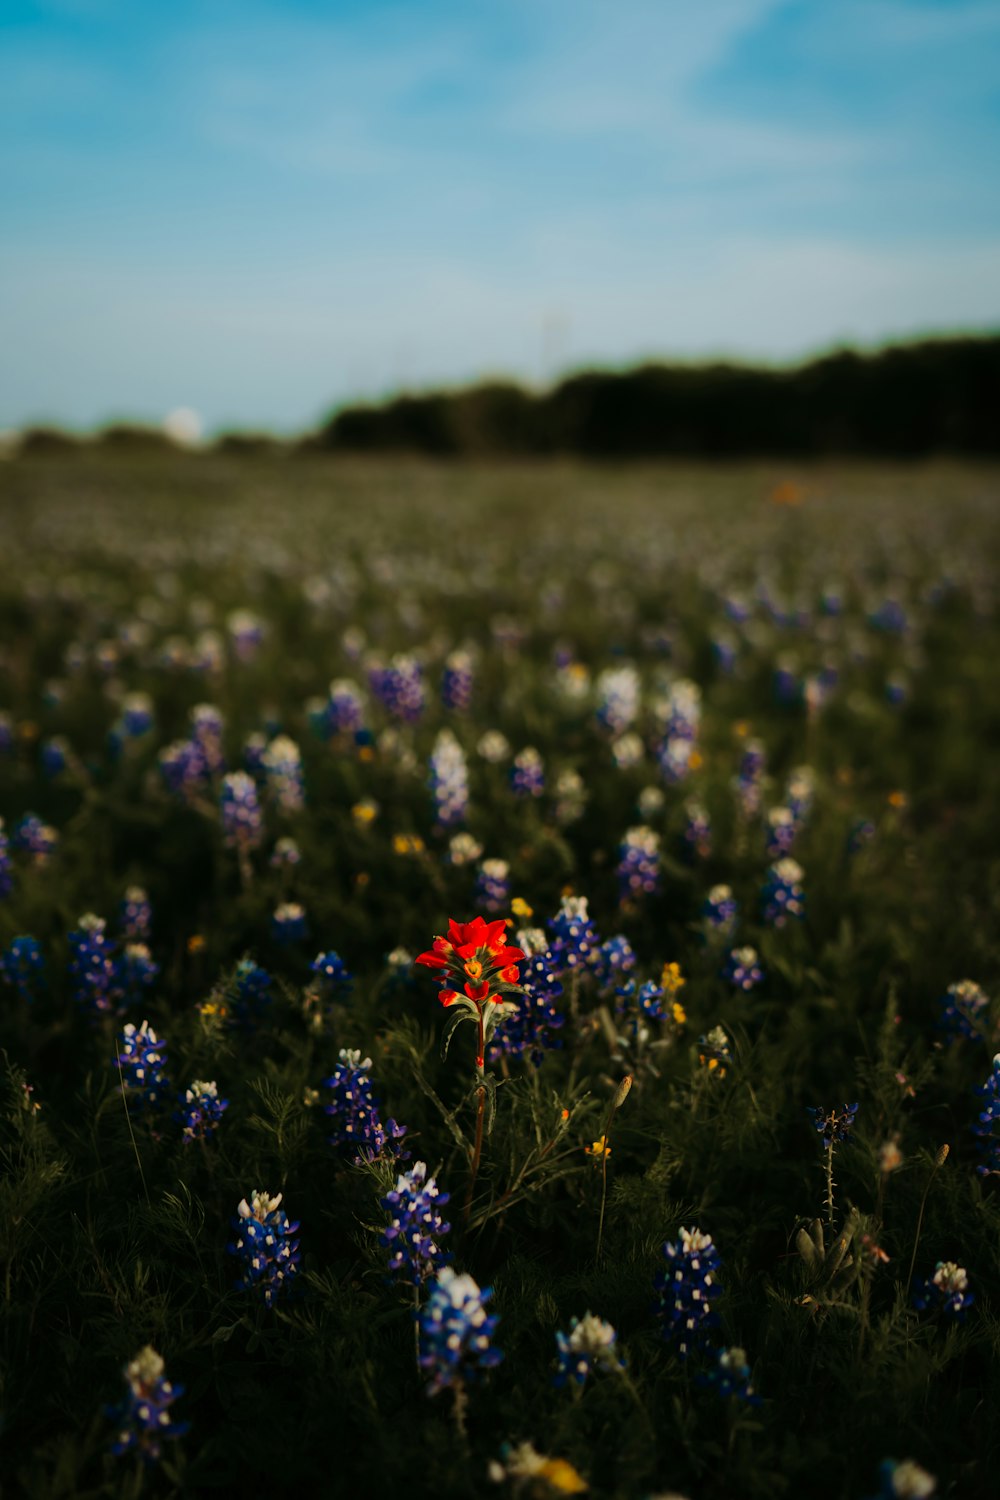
[{"x": 499, "y": 979}]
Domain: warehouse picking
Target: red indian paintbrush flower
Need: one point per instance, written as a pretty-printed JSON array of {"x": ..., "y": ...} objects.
[{"x": 477, "y": 956}]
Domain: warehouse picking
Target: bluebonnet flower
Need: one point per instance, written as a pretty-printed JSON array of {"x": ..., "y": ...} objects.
[
  {"x": 719, "y": 912},
  {"x": 674, "y": 758},
  {"x": 344, "y": 709},
  {"x": 574, "y": 937},
  {"x": 729, "y": 1376},
  {"x": 613, "y": 958},
  {"x": 833, "y": 1124},
  {"x": 493, "y": 746},
  {"x": 399, "y": 687},
  {"x": 749, "y": 782},
  {"x": 6, "y": 875},
  {"x": 22, "y": 966},
  {"x": 963, "y": 1011},
  {"x": 570, "y": 797},
  {"x": 92, "y": 965},
  {"x": 638, "y": 871},
  {"x": 142, "y": 1061},
  {"x": 697, "y": 831},
  {"x": 800, "y": 793},
  {"x": 989, "y": 1118},
  {"x": 135, "y": 915},
  {"x": 288, "y": 923},
  {"x": 782, "y": 896},
  {"x": 353, "y": 1109},
  {"x": 54, "y": 755},
  {"x": 242, "y": 827},
  {"x": 742, "y": 969},
  {"x": 456, "y": 1332},
  {"x": 889, "y": 616},
  {"x": 589, "y": 1346},
  {"x": 449, "y": 780},
  {"x": 947, "y": 1291},
  {"x": 725, "y": 649},
  {"x": 687, "y": 1289},
  {"x": 457, "y": 681},
  {"x": 249, "y": 992},
  {"x": 135, "y": 972},
  {"x": 527, "y": 1030},
  {"x": 285, "y": 855},
  {"x": 333, "y": 973},
  {"x": 681, "y": 712},
  {"x": 6, "y": 733},
  {"x": 415, "y": 1226},
  {"x": 267, "y": 1249},
  {"x": 246, "y": 633},
  {"x": 254, "y": 750},
  {"x": 182, "y": 767},
  {"x": 199, "y": 1111},
  {"x": 897, "y": 690},
  {"x": 527, "y": 774},
  {"x": 32, "y": 836},
  {"x": 136, "y": 715},
  {"x": 785, "y": 680},
  {"x": 904, "y": 1481},
  {"x": 650, "y": 802},
  {"x": 780, "y": 832},
  {"x": 463, "y": 849},
  {"x": 206, "y": 732},
  {"x": 492, "y": 890},
  {"x": 282, "y": 766},
  {"x": 143, "y": 1420},
  {"x": 618, "y": 698},
  {"x": 627, "y": 751}
]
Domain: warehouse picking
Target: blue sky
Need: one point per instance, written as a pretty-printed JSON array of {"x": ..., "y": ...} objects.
[{"x": 263, "y": 210}]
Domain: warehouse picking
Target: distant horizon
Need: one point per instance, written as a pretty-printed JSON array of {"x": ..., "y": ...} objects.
[{"x": 160, "y": 422}]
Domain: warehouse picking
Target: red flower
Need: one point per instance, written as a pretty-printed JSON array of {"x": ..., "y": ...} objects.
[{"x": 476, "y": 953}]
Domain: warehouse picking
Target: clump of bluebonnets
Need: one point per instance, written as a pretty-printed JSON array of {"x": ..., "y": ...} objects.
[
  {"x": 92, "y": 966},
  {"x": 638, "y": 871},
  {"x": 985, "y": 1129},
  {"x": 265, "y": 1244},
  {"x": 964, "y": 1009},
  {"x": 742, "y": 969},
  {"x": 531, "y": 1030}
]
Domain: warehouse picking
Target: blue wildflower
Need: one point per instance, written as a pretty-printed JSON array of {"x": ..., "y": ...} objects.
[
  {"x": 687, "y": 1289},
  {"x": 242, "y": 826},
  {"x": 638, "y": 871},
  {"x": 719, "y": 912},
  {"x": 288, "y": 923},
  {"x": 457, "y": 681},
  {"x": 904, "y": 1481},
  {"x": 142, "y": 1061},
  {"x": 332, "y": 972},
  {"x": 353, "y": 1110},
  {"x": 399, "y": 687},
  {"x": 281, "y": 763},
  {"x": 946, "y": 1292},
  {"x": 589, "y": 1346},
  {"x": 742, "y": 969},
  {"x": 782, "y": 896},
  {"x": 492, "y": 888},
  {"x": 33, "y": 837},
  {"x": 963, "y": 1011},
  {"x": 833, "y": 1124},
  {"x": 249, "y": 992},
  {"x": 142, "y": 1420},
  {"x": 23, "y": 967},
  {"x": 135, "y": 972},
  {"x": 415, "y": 1225},
  {"x": 527, "y": 774},
  {"x": 265, "y": 1244},
  {"x": 135, "y": 915},
  {"x": 92, "y": 966},
  {"x": 989, "y": 1118},
  {"x": 200, "y": 1111},
  {"x": 456, "y": 1332},
  {"x": 449, "y": 780},
  {"x": 527, "y": 1031},
  {"x": 729, "y": 1376},
  {"x": 575, "y": 941}
]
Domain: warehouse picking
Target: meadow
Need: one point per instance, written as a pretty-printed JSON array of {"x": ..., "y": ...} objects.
[{"x": 709, "y": 1084}]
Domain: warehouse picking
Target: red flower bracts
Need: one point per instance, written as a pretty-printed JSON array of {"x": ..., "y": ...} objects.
[{"x": 476, "y": 956}]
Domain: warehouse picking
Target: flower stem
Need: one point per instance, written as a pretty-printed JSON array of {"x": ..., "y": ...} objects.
[
  {"x": 829, "y": 1182},
  {"x": 939, "y": 1161}
]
